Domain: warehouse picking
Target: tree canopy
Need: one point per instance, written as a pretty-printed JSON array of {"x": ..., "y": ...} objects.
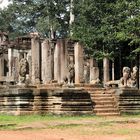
[
  {"x": 100, "y": 25},
  {"x": 36, "y": 15}
]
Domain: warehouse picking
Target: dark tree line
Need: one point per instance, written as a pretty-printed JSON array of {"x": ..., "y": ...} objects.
[{"x": 102, "y": 26}]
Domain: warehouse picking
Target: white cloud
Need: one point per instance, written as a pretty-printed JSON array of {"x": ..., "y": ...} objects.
[{"x": 3, "y": 3}]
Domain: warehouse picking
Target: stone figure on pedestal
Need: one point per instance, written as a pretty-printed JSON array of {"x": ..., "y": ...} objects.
[
  {"x": 129, "y": 79},
  {"x": 124, "y": 81},
  {"x": 86, "y": 72},
  {"x": 134, "y": 76},
  {"x": 23, "y": 70},
  {"x": 69, "y": 79}
]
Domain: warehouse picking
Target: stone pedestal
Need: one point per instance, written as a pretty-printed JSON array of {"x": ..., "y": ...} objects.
[
  {"x": 79, "y": 63},
  {"x": 35, "y": 52},
  {"x": 46, "y": 62},
  {"x": 106, "y": 70}
]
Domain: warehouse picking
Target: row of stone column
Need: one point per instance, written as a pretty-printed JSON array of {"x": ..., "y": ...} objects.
[
  {"x": 50, "y": 63},
  {"x": 53, "y": 64}
]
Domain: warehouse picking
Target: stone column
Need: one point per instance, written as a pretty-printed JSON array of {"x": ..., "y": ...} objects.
[
  {"x": 94, "y": 70},
  {"x": 57, "y": 63},
  {"x": 113, "y": 75},
  {"x": 10, "y": 58},
  {"x": 106, "y": 69},
  {"x": 35, "y": 52},
  {"x": 1, "y": 66},
  {"x": 79, "y": 63},
  {"x": 46, "y": 62},
  {"x": 29, "y": 59},
  {"x": 64, "y": 57},
  {"x": 139, "y": 71}
]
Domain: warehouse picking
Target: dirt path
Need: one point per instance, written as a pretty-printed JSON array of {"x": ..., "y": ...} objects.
[
  {"x": 51, "y": 135},
  {"x": 86, "y": 129}
]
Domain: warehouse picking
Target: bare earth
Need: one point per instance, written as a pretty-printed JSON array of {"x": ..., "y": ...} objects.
[
  {"x": 52, "y": 135},
  {"x": 108, "y": 129}
]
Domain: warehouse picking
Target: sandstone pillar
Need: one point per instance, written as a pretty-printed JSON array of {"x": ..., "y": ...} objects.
[
  {"x": 139, "y": 71},
  {"x": 79, "y": 63},
  {"x": 94, "y": 70},
  {"x": 57, "y": 63},
  {"x": 29, "y": 59},
  {"x": 10, "y": 58},
  {"x": 46, "y": 62},
  {"x": 106, "y": 69},
  {"x": 113, "y": 75},
  {"x": 64, "y": 57},
  {"x": 1, "y": 66},
  {"x": 35, "y": 52}
]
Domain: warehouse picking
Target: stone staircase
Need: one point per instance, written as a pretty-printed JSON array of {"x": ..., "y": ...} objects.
[{"x": 104, "y": 103}]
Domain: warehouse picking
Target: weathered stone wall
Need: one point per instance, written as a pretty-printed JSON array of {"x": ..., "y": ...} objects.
[
  {"x": 21, "y": 101},
  {"x": 128, "y": 100}
]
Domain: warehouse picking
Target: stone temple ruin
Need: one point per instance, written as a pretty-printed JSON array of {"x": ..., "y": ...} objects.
[{"x": 40, "y": 76}]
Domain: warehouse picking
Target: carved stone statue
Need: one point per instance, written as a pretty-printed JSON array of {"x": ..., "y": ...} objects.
[
  {"x": 69, "y": 79},
  {"x": 134, "y": 76},
  {"x": 124, "y": 81},
  {"x": 23, "y": 70},
  {"x": 129, "y": 79},
  {"x": 86, "y": 72}
]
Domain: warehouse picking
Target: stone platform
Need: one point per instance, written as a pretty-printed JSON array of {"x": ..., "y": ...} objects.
[
  {"x": 22, "y": 101},
  {"x": 128, "y": 100},
  {"x": 55, "y": 99}
]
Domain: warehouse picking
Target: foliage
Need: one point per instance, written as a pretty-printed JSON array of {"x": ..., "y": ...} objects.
[
  {"x": 103, "y": 25},
  {"x": 36, "y": 15}
]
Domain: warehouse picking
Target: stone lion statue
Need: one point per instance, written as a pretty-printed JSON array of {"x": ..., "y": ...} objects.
[
  {"x": 69, "y": 79},
  {"x": 124, "y": 81},
  {"x": 129, "y": 79}
]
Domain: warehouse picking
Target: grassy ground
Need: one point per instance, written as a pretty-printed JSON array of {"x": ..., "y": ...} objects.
[{"x": 125, "y": 125}]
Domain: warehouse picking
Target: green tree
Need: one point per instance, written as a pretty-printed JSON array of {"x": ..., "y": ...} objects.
[
  {"x": 103, "y": 25},
  {"x": 48, "y": 17}
]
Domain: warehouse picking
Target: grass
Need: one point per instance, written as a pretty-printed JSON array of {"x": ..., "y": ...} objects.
[{"x": 81, "y": 125}]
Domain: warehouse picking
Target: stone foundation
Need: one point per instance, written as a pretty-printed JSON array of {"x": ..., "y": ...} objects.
[
  {"x": 22, "y": 101},
  {"x": 54, "y": 99},
  {"x": 128, "y": 100}
]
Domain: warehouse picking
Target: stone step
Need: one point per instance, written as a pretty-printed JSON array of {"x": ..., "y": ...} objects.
[
  {"x": 71, "y": 112},
  {"x": 130, "y": 111},
  {"x": 97, "y": 110},
  {"x": 129, "y": 108},
  {"x": 105, "y": 106},
  {"x": 100, "y": 95},
  {"x": 96, "y": 92},
  {"x": 103, "y": 102},
  {"x": 108, "y": 114},
  {"x": 96, "y": 99},
  {"x": 129, "y": 103}
]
